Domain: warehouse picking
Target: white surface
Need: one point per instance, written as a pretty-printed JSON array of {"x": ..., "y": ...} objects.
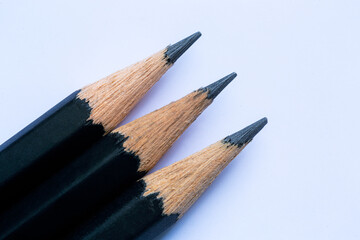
[{"x": 298, "y": 63}]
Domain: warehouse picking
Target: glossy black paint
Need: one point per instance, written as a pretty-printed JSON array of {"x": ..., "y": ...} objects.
[
  {"x": 130, "y": 216},
  {"x": 74, "y": 193},
  {"x": 44, "y": 146}
]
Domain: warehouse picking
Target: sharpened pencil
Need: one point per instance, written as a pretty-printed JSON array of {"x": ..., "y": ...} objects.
[
  {"x": 158, "y": 200},
  {"x": 101, "y": 173},
  {"x": 65, "y": 131}
]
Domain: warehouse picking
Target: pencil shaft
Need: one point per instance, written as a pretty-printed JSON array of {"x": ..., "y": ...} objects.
[
  {"x": 65, "y": 131},
  {"x": 158, "y": 200},
  {"x": 103, "y": 171},
  {"x": 44, "y": 139},
  {"x": 72, "y": 194},
  {"x": 130, "y": 216}
]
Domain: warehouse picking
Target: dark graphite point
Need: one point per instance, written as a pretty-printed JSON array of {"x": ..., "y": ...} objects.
[
  {"x": 247, "y": 134},
  {"x": 215, "y": 88},
  {"x": 174, "y": 51}
]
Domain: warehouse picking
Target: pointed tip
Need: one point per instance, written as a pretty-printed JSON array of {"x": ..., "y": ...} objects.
[
  {"x": 174, "y": 51},
  {"x": 245, "y": 135},
  {"x": 215, "y": 88}
]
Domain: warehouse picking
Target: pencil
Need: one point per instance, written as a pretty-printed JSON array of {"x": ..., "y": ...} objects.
[
  {"x": 158, "y": 200},
  {"x": 78, "y": 121},
  {"x": 102, "y": 172}
]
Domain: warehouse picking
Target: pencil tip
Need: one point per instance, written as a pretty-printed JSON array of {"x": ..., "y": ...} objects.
[
  {"x": 174, "y": 51},
  {"x": 215, "y": 88},
  {"x": 247, "y": 134}
]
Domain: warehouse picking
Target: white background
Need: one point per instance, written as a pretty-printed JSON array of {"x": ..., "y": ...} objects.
[{"x": 298, "y": 63}]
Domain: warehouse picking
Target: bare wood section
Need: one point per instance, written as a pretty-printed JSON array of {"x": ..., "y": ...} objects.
[
  {"x": 181, "y": 184},
  {"x": 150, "y": 136},
  {"x": 113, "y": 97}
]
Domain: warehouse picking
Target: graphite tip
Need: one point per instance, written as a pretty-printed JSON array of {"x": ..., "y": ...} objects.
[
  {"x": 174, "y": 51},
  {"x": 245, "y": 135},
  {"x": 215, "y": 88}
]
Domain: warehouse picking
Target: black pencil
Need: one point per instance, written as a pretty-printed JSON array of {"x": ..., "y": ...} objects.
[
  {"x": 78, "y": 121},
  {"x": 116, "y": 161},
  {"x": 158, "y": 200}
]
